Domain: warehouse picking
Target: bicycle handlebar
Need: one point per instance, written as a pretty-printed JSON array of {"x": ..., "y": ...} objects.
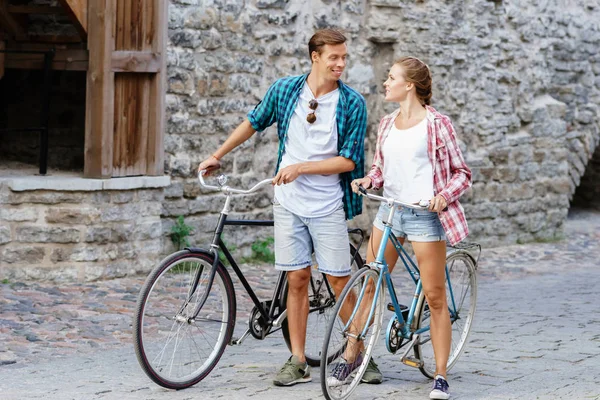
[
  {"x": 421, "y": 205},
  {"x": 227, "y": 189}
]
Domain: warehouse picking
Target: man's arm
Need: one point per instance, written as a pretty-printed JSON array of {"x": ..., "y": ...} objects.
[
  {"x": 240, "y": 134},
  {"x": 334, "y": 165},
  {"x": 243, "y": 132}
]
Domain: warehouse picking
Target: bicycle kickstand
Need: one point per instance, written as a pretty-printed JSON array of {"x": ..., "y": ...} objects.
[{"x": 238, "y": 341}]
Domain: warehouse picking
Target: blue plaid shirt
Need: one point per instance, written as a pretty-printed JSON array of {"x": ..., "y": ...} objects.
[{"x": 278, "y": 106}]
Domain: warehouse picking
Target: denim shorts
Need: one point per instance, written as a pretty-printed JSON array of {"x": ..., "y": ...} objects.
[
  {"x": 414, "y": 225},
  {"x": 297, "y": 237}
]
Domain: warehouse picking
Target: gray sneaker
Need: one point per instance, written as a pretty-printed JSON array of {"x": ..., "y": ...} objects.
[
  {"x": 372, "y": 374},
  {"x": 292, "y": 372}
]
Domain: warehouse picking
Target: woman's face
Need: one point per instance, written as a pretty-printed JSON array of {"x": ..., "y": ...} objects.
[{"x": 396, "y": 87}]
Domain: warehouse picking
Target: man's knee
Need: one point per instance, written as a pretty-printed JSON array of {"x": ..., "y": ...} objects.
[{"x": 298, "y": 280}]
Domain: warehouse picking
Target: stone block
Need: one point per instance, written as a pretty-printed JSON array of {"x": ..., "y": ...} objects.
[
  {"x": 120, "y": 212},
  {"x": 86, "y": 254},
  {"x": 73, "y": 216},
  {"x": 4, "y": 234},
  {"x": 98, "y": 235},
  {"x": 19, "y": 214},
  {"x": 175, "y": 208},
  {"x": 23, "y": 254},
  {"x": 201, "y": 18},
  {"x": 147, "y": 230},
  {"x": 47, "y": 234},
  {"x": 118, "y": 197},
  {"x": 60, "y": 254}
]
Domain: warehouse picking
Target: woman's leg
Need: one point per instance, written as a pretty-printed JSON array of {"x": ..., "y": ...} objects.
[
  {"x": 431, "y": 258},
  {"x": 391, "y": 256}
]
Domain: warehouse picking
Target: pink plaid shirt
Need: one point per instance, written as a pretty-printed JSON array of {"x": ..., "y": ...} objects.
[{"x": 451, "y": 176}]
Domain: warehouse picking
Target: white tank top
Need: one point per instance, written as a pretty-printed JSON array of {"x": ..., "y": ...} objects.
[{"x": 407, "y": 171}]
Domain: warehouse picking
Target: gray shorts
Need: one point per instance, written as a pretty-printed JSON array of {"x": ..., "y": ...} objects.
[
  {"x": 296, "y": 238},
  {"x": 414, "y": 225}
]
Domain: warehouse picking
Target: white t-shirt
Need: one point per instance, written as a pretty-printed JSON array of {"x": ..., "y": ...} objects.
[
  {"x": 311, "y": 195},
  {"x": 407, "y": 171}
]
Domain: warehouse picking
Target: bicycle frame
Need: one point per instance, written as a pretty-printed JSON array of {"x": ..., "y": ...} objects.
[
  {"x": 407, "y": 325},
  {"x": 271, "y": 318}
]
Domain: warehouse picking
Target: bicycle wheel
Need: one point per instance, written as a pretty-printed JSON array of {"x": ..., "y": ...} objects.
[
  {"x": 174, "y": 350},
  {"x": 461, "y": 304},
  {"x": 345, "y": 353},
  {"x": 321, "y": 300}
]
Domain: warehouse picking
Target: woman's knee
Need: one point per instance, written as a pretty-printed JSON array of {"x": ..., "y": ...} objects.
[{"x": 436, "y": 298}]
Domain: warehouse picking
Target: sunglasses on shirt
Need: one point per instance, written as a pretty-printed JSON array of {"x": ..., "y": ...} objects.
[{"x": 312, "y": 117}]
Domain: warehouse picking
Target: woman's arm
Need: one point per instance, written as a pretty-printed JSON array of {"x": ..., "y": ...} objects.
[
  {"x": 460, "y": 174},
  {"x": 376, "y": 172}
]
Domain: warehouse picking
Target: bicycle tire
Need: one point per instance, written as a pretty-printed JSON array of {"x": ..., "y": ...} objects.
[
  {"x": 337, "y": 335},
  {"x": 463, "y": 278},
  {"x": 318, "y": 318},
  {"x": 167, "y": 348}
]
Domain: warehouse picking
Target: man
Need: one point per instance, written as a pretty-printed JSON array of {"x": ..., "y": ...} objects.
[{"x": 321, "y": 125}]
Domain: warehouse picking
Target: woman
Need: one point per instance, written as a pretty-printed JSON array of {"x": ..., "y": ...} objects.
[{"x": 417, "y": 158}]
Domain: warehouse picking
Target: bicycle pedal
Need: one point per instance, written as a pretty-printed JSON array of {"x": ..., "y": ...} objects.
[
  {"x": 403, "y": 310},
  {"x": 412, "y": 362}
]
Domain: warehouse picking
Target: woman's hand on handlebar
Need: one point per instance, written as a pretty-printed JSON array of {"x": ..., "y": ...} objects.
[
  {"x": 209, "y": 165},
  {"x": 364, "y": 182},
  {"x": 438, "y": 204}
]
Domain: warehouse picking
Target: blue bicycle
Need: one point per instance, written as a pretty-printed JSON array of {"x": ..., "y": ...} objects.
[{"x": 360, "y": 308}]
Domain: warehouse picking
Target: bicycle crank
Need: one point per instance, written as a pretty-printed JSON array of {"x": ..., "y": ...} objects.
[{"x": 259, "y": 328}]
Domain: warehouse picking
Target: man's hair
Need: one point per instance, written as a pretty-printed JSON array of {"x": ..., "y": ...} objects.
[{"x": 323, "y": 37}]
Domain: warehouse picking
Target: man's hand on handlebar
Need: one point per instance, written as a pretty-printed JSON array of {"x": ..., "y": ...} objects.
[{"x": 209, "y": 165}]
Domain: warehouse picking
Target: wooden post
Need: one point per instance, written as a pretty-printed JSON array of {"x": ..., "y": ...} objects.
[
  {"x": 156, "y": 126},
  {"x": 99, "y": 119},
  {"x": 2, "y": 47}
]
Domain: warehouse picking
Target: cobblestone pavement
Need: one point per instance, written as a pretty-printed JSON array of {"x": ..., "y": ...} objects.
[{"x": 536, "y": 336}]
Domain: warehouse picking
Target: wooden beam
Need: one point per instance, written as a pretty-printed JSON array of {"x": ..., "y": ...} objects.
[
  {"x": 2, "y": 47},
  {"x": 64, "y": 60},
  {"x": 77, "y": 10},
  {"x": 63, "y": 39},
  {"x": 27, "y": 9},
  {"x": 136, "y": 61},
  {"x": 156, "y": 126},
  {"x": 99, "y": 118},
  {"x": 9, "y": 23}
]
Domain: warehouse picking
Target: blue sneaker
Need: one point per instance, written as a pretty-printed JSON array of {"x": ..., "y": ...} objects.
[
  {"x": 343, "y": 370},
  {"x": 440, "y": 389}
]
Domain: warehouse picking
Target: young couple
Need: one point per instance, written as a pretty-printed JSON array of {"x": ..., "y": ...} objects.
[{"x": 321, "y": 124}]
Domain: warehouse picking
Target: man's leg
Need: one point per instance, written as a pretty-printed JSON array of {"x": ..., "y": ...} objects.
[
  {"x": 293, "y": 254},
  {"x": 297, "y": 309}
]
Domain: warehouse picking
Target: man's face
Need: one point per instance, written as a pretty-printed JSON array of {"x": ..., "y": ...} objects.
[{"x": 331, "y": 62}]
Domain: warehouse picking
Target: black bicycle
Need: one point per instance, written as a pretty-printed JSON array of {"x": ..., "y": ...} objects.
[{"x": 186, "y": 310}]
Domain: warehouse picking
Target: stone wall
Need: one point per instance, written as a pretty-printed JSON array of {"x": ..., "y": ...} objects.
[
  {"x": 79, "y": 235},
  {"x": 520, "y": 80}
]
